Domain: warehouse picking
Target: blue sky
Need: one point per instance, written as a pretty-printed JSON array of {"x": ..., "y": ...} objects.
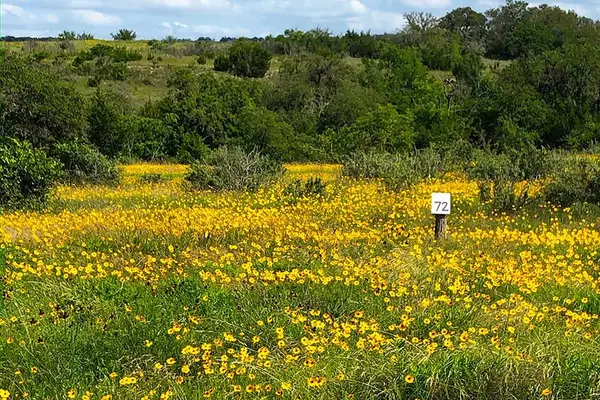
[{"x": 217, "y": 18}]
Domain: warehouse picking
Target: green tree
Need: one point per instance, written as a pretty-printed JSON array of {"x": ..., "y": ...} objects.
[
  {"x": 67, "y": 35},
  {"x": 124, "y": 34},
  {"x": 107, "y": 128},
  {"x": 245, "y": 58},
  {"x": 37, "y": 105},
  {"x": 382, "y": 130},
  {"x": 467, "y": 23}
]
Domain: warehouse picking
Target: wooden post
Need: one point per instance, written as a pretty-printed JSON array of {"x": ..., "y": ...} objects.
[{"x": 441, "y": 221}]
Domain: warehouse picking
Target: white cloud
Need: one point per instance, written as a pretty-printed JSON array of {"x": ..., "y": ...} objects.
[
  {"x": 16, "y": 11},
  {"x": 180, "y": 25},
  {"x": 92, "y": 17},
  {"x": 317, "y": 9},
  {"x": 378, "y": 21},
  {"x": 31, "y": 33},
  {"x": 358, "y": 7},
  {"x": 85, "y": 4},
  {"x": 168, "y": 28},
  {"x": 420, "y": 4},
  {"x": 219, "y": 31},
  {"x": 191, "y": 4},
  {"x": 52, "y": 18}
]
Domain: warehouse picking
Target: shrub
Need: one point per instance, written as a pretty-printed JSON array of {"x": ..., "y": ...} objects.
[
  {"x": 201, "y": 59},
  {"x": 398, "y": 171},
  {"x": 498, "y": 175},
  {"x": 312, "y": 187},
  {"x": 152, "y": 178},
  {"x": 26, "y": 175},
  {"x": 37, "y": 105},
  {"x": 222, "y": 63},
  {"x": 124, "y": 34},
  {"x": 245, "y": 58},
  {"x": 578, "y": 181},
  {"x": 380, "y": 130},
  {"x": 503, "y": 195},
  {"x": 235, "y": 170},
  {"x": 85, "y": 164}
]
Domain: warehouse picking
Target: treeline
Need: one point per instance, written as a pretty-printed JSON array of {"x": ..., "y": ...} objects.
[{"x": 319, "y": 104}]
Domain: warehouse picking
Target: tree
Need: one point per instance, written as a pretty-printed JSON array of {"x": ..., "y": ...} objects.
[
  {"x": 37, "y": 105},
  {"x": 107, "y": 128},
  {"x": 501, "y": 27},
  {"x": 245, "y": 58},
  {"x": 124, "y": 34},
  {"x": 85, "y": 36},
  {"x": 467, "y": 23},
  {"x": 382, "y": 130},
  {"x": 420, "y": 21},
  {"x": 67, "y": 35}
]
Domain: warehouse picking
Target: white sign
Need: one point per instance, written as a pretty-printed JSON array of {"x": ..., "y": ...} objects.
[{"x": 441, "y": 203}]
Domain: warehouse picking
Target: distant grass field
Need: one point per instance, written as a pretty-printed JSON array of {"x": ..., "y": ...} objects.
[{"x": 153, "y": 291}]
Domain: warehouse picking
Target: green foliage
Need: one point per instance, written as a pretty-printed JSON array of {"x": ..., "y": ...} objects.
[
  {"x": 222, "y": 63},
  {"x": 152, "y": 178},
  {"x": 115, "y": 54},
  {"x": 107, "y": 129},
  {"x": 577, "y": 181},
  {"x": 234, "y": 170},
  {"x": 67, "y": 35},
  {"x": 84, "y": 164},
  {"x": 124, "y": 34},
  {"x": 465, "y": 22},
  {"x": 37, "y": 105},
  {"x": 398, "y": 171},
  {"x": 382, "y": 130},
  {"x": 309, "y": 188},
  {"x": 245, "y": 58},
  {"x": 26, "y": 175},
  {"x": 85, "y": 36},
  {"x": 216, "y": 111},
  {"x": 499, "y": 174}
]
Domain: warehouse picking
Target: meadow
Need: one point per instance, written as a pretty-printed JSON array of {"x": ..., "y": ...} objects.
[{"x": 149, "y": 290}]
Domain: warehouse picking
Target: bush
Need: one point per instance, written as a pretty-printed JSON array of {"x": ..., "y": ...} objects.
[
  {"x": 124, "y": 34},
  {"x": 498, "y": 175},
  {"x": 222, "y": 63},
  {"x": 235, "y": 170},
  {"x": 152, "y": 178},
  {"x": 578, "y": 181},
  {"x": 85, "y": 164},
  {"x": 398, "y": 171},
  {"x": 245, "y": 58},
  {"x": 312, "y": 187},
  {"x": 26, "y": 175},
  {"x": 37, "y": 105}
]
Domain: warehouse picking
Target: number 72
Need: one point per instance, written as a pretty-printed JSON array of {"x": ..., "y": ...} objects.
[{"x": 441, "y": 205}]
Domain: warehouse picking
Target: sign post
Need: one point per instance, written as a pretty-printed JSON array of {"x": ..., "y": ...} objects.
[{"x": 441, "y": 204}]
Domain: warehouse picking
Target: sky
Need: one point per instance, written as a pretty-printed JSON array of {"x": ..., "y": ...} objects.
[{"x": 155, "y": 19}]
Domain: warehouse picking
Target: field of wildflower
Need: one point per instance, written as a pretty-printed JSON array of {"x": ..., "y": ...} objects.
[{"x": 149, "y": 290}]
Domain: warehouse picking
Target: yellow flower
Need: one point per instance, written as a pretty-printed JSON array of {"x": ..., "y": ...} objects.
[
  {"x": 546, "y": 392},
  {"x": 409, "y": 379},
  {"x": 4, "y": 394},
  {"x": 72, "y": 393},
  {"x": 127, "y": 381}
]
